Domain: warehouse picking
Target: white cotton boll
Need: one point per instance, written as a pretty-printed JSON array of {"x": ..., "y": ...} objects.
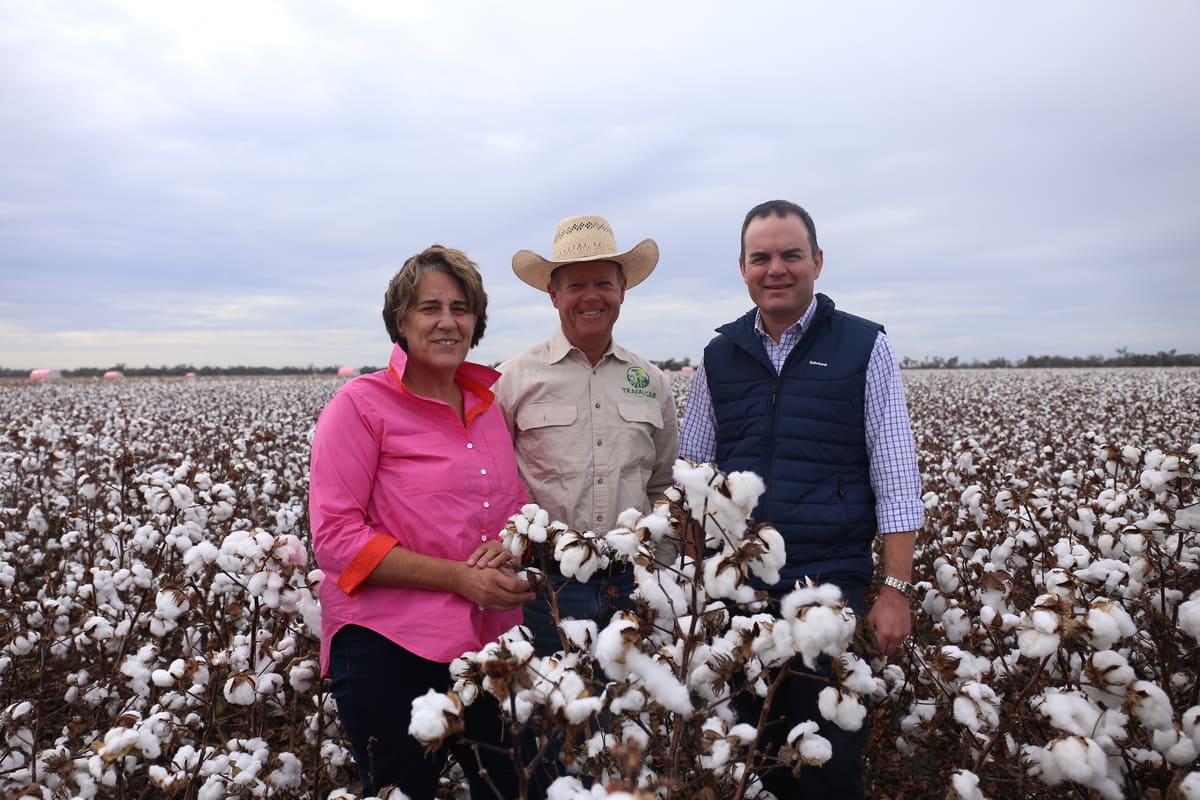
[
  {"x": 578, "y": 555},
  {"x": 1190, "y": 722},
  {"x": 977, "y": 707},
  {"x": 1036, "y": 643},
  {"x": 1108, "y": 623},
  {"x": 956, "y": 624},
  {"x": 1106, "y": 676},
  {"x": 820, "y": 629},
  {"x": 162, "y": 678},
  {"x": 1083, "y": 761},
  {"x": 721, "y": 576},
  {"x": 623, "y": 541},
  {"x": 744, "y": 489},
  {"x": 629, "y": 518},
  {"x": 1151, "y": 705},
  {"x": 434, "y": 716},
  {"x": 965, "y": 785},
  {"x": 842, "y": 708},
  {"x": 1189, "y": 787},
  {"x": 660, "y": 682},
  {"x": 1131, "y": 454},
  {"x": 773, "y": 556},
  {"x": 947, "y": 578},
  {"x": 1176, "y": 746},
  {"x": 581, "y": 633},
  {"x": 1072, "y": 712},
  {"x": 812, "y": 747},
  {"x": 582, "y": 709},
  {"x": 1189, "y": 617},
  {"x": 1155, "y": 520},
  {"x": 567, "y": 787},
  {"x": 171, "y": 603},
  {"x": 855, "y": 675},
  {"x": 240, "y": 689},
  {"x": 657, "y": 523},
  {"x": 630, "y": 700},
  {"x": 613, "y": 642}
]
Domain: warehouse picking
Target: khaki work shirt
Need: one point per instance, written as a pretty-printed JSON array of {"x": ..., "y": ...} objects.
[{"x": 590, "y": 441}]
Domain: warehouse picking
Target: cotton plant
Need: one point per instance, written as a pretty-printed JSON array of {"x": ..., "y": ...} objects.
[{"x": 652, "y": 681}]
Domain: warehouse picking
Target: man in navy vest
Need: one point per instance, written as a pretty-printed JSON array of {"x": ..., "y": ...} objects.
[{"x": 811, "y": 399}]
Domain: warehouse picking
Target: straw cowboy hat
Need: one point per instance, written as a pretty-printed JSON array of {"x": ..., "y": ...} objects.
[{"x": 585, "y": 238}]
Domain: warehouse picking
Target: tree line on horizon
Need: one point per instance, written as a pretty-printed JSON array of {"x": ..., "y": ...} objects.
[{"x": 1123, "y": 358}]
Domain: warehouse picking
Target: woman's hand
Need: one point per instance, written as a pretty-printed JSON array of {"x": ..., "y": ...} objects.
[
  {"x": 492, "y": 589},
  {"x": 491, "y": 554}
]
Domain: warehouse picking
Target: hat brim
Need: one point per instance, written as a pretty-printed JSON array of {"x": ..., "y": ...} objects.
[{"x": 637, "y": 264}]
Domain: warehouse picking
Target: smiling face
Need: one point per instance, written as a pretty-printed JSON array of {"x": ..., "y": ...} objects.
[
  {"x": 588, "y": 297},
  {"x": 780, "y": 269},
  {"x": 438, "y": 324}
]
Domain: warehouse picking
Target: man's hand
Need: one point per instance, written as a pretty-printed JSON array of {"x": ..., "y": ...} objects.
[{"x": 891, "y": 618}]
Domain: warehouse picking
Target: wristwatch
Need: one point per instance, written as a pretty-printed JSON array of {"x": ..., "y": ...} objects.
[{"x": 903, "y": 587}]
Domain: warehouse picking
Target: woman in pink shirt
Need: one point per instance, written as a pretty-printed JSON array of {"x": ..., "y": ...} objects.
[{"x": 412, "y": 479}]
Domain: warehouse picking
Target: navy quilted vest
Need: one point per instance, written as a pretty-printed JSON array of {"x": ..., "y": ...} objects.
[{"x": 803, "y": 431}]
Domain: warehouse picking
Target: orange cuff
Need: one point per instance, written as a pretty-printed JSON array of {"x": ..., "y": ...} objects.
[{"x": 363, "y": 564}]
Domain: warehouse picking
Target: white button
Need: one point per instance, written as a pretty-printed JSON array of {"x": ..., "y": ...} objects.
[
  {"x": 486, "y": 504},
  {"x": 481, "y": 608},
  {"x": 483, "y": 472},
  {"x": 483, "y": 538},
  {"x": 470, "y": 445}
]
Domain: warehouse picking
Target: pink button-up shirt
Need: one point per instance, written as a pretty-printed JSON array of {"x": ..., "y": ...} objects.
[{"x": 390, "y": 467}]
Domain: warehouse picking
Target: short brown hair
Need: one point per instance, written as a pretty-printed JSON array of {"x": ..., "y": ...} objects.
[
  {"x": 780, "y": 208},
  {"x": 435, "y": 258}
]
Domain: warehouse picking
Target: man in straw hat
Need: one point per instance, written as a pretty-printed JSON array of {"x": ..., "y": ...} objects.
[
  {"x": 811, "y": 397},
  {"x": 594, "y": 425}
]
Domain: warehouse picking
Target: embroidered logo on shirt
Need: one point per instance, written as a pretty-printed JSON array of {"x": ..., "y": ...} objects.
[
  {"x": 818, "y": 363},
  {"x": 639, "y": 379}
]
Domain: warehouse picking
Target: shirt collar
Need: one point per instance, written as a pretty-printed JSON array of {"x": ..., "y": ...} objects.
[
  {"x": 560, "y": 347},
  {"x": 796, "y": 329},
  {"x": 473, "y": 377}
]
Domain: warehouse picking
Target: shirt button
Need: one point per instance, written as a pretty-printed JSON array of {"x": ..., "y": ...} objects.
[
  {"x": 470, "y": 445},
  {"x": 597, "y": 405},
  {"x": 483, "y": 472},
  {"x": 483, "y": 538},
  {"x": 599, "y": 518},
  {"x": 486, "y": 504},
  {"x": 600, "y": 481},
  {"x": 481, "y": 608},
  {"x": 599, "y": 441}
]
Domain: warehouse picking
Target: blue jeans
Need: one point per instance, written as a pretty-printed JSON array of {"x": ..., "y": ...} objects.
[
  {"x": 598, "y": 599},
  {"x": 374, "y": 681},
  {"x": 839, "y": 778}
]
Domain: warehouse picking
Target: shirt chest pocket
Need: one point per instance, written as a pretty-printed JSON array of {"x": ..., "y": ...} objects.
[
  {"x": 640, "y": 423},
  {"x": 641, "y": 412},
  {"x": 549, "y": 441},
  {"x": 539, "y": 416}
]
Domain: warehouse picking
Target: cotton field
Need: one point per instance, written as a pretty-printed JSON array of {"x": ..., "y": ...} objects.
[{"x": 157, "y": 609}]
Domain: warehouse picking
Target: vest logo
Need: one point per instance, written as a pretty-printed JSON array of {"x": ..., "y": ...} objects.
[{"x": 818, "y": 363}]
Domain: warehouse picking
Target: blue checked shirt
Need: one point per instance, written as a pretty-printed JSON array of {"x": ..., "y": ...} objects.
[{"x": 895, "y": 476}]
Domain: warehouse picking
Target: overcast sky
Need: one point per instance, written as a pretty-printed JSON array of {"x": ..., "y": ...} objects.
[{"x": 221, "y": 183}]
